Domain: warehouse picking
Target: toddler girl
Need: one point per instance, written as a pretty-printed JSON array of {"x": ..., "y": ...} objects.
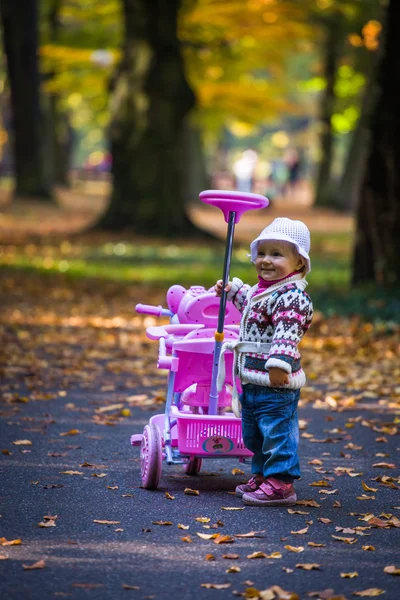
[{"x": 276, "y": 313}]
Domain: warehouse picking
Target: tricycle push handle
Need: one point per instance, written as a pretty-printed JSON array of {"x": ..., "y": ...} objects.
[{"x": 156, "y": 311}]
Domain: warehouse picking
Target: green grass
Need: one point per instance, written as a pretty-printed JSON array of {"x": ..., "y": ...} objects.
[{"x": 162, "y": 266}]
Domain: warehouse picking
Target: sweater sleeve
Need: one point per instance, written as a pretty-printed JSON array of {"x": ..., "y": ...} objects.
[
  {"x": 238, "y": 293},
  {"x": 291, "y": 317}
]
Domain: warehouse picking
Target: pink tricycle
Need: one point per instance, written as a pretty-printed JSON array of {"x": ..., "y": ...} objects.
[{"x": 197, "y": 422}]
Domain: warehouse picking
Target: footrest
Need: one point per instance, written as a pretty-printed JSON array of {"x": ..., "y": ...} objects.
[{"x": 136, "y": 439}]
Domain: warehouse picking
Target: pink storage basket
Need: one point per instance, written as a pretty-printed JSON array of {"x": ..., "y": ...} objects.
[{"x": 210, "y": 435}]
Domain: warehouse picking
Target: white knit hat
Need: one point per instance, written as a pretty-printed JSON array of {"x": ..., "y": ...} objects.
[{"x": 287, "y": 230}]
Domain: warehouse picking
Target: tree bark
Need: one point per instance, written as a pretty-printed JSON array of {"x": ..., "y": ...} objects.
[
  {"x": 377, "y": 243},
  {"x": 333, "y": 43},
  {"x": 20, "y": 39},
  {"x": 150, "y": 104}
]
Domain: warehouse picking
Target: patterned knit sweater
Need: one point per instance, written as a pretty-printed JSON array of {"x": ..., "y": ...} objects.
[{"x": 280, "y": 316}]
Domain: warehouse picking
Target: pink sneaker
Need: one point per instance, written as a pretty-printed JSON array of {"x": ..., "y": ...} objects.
[
  {"x": 251, "y": 486},
  {"x": 271, "y": 492}
]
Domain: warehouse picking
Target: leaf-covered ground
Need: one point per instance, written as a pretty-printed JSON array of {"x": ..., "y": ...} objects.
[{"x": 78, "y": 377}]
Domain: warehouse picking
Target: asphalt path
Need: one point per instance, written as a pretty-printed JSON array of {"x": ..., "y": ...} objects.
[{"x": 134, "y": 557}]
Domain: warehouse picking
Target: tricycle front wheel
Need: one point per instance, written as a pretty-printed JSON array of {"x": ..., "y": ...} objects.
[{"x": 151, "y": 457}]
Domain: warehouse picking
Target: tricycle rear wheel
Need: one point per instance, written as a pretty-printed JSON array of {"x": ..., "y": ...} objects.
[
  {"x": 151, "y": 457},
  {"x": 193, "y": 466}
]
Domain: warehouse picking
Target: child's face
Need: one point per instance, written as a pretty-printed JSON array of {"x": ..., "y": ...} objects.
[{"x": 276, "y": 260}]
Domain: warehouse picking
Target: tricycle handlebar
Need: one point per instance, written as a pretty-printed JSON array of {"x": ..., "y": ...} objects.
[{"x": 156, "y": 311}]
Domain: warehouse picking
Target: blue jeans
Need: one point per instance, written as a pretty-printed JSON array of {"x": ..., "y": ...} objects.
[{"x": 271, "y": 430}]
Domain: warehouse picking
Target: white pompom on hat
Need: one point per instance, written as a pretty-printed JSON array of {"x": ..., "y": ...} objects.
[{"x": 286, "y": 230}]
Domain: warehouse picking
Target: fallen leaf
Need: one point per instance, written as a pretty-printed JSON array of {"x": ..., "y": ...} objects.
[
  {"x": 207, "y": 536},
  {"x": 367, "y": 488},
  {"x": 180, "y": 526},
  {"x": 106, "y": 522},
  {"x": 315, "y": 545},
  {"x": 297, "y": 512},
  {"x": 168, "y": 496},
  {"x": 216, "y": 586},
  {"x": 320, "y": 483},
  {"x": 384, "y": 465},
  {"x": 5, "y": 542},
  {"x": 349, "y": 575},
  {"x": 275, "y": 555},
  {"x": 70, "y": 432},
  {"x": 210, "y": 557},
  {"x": 308, "y": 566},
  {"x": 308, "y": 503},
  {"x": 233, "y": 569},
  {"x": 369, "y": 592},
  {"x": 187, "y": 539},
  {"x": 191, "y": 492},
  {"x": 40, "y": 564},
  {"x": 237, "y": 472},
  {"x": 257, "y": 555},
  {"x": 71, "y": 473},
  {"x": 345, "y": 539},
  {"x": 392, "y": 570},
  {"x": 300, "y": 531},
  {"x": 232, "y": 507},
  {"x": 125, "y": 586},
  {"x": 294, "y": 548},
  {"x": 251, "y": 534},
  {"x": 112, "y": 487},
  {"x": 49, "y": 523},
  {"x": 203, "y": 519},
  {"x": 22, "y": 443},
  {"x": 368, "y": 548},
  {"x": 162, "y": 523},
  {"x": 98, "y": 474},
  {"x": 231, "y": 556},
  {"x": 223, "y": 539}
]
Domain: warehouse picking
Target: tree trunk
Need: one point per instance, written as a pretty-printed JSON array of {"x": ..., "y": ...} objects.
[
  {"x": 150, "y": 103},
  {"x": 20, "y": 39},
  {"x": 377, "y": 245},
  {"x": 333, "y": 42}
]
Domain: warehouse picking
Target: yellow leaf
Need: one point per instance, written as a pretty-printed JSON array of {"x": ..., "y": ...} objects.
[
  {"x": 367, "y": 488},
  {"x": 315, "y": 545},
  {"x": 71, "y": 473},
  {"x": 231, "y": 556},
  {"x": 275, "y": 555},
  {"x": 168, "y": 496},
  {"x": 71, "y": 432},
  {"x": 294, "y": 548},
  {"x": 300, "y": 531},
  {"x": 190, "y": 492},
  {"x": 297, "y": 512},
  {"x": 210, "y": 557},
  {"x": 223, "y": 539},
  {"x": 232, "y": 507},
  {"x": 237, "y": 472},
  {"x": 368, "y": 548},
  {"x": 349, "y": 575},
  {"x": 48, "y": 523},
  {"x": 22, "y": 443},
  {"x": 180, "y": 526},
  {"x": 5, "y": 542},
  {"x": 251, "y": 534},
  {"x": 187, "y": 538},
  {"x": 257, "y": 555},
  {"x": 345, "y": 539},
  {"x": 233, "y": 569},
  {"x": 162, "y": 523},
  {"x": 98, "y": 475},
  {"x": 308, "y": 566},
  {"x": 203, "y": 519}
]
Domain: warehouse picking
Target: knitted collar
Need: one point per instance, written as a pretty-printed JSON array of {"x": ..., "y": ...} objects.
[
  {"x": 298, "y": 278},
  {"x": 264, "y": 285}
]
